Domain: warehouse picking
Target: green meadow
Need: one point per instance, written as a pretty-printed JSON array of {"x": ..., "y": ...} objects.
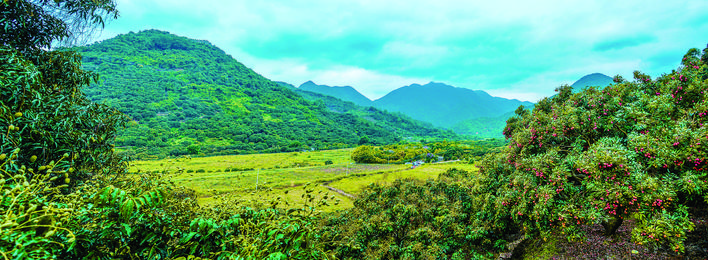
[{"x": 258, "y": 179}]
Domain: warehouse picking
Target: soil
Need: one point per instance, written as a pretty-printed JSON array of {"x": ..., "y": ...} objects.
[{"x": 619, "y": 245}]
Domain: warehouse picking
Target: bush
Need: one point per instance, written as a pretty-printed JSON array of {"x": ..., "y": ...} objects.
[
  {"x": 631, "y": 150},
  {"x": 411, "y": 219}
]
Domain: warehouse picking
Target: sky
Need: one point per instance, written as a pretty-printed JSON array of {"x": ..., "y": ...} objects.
[{"x": 512, "y": 49}]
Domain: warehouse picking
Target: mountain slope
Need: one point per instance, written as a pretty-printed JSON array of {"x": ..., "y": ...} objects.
[
  {"x": 483, "y": 127},
  {"x": 385, "y": 119},
  {"x": 594, "y": 79},
  {"x": 189, "y": 97},
  {"x": 345, "y": 93},
  {"x": 444, "y": 105}
]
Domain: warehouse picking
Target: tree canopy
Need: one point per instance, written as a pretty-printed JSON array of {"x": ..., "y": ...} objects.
[
  {"x": 632, "y": 150},
  {"x": 34, "y": 25}
]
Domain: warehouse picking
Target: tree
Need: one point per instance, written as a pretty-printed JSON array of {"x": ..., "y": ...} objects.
[
  {"x": 45, "y": 112},
  {"x": 52, "y": 135},
  {"x": 34, "y": 25},
  {"x": 365, "y": 154},
  {"x": 633, "y": 150}
]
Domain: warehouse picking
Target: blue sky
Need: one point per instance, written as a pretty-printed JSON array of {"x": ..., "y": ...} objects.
[{"x": 512, "y": 49}]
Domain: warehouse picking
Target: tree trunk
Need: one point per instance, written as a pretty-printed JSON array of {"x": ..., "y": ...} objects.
[{"x": 612, "y": 225}]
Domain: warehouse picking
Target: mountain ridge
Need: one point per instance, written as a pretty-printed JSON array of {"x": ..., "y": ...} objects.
[
  {"x": 593, "y": 79},
  {"x": 346, "y": 93},
  {"x": 190, "y": 97},
  {"x": 445, "y": 105}
]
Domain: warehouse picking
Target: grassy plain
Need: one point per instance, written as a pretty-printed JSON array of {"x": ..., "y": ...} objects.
[{"x": 258, "y": 179}]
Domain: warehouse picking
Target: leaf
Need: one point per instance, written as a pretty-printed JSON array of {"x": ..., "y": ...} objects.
[
  {"x": 127, "y": 228},
  {"x": 127, "y": 208},
  {"x": 188, "y": 237}
]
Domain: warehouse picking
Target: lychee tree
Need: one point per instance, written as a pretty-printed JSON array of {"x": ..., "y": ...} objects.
[
  {"x": 44, "y": 112},
  {"x": 630, "y": 150}
]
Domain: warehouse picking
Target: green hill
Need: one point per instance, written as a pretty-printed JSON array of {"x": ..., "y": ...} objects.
[
  {"x": 345, "y": 93},
  {"x": 594, "y": 79},
  {"x": 189, "y": 97},
  {"x": 444, "y": 105}
]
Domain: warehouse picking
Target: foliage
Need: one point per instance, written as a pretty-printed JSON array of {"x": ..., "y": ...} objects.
[
  {"x": 150, "y": 218},
  {"x": 483, "y": 127},
  {"x": 31, "y": 26},
  {"x": 44, "y": 112},
  {"x": 46, "y": 116},
  {"x": 631, "y": 150},
  {"x": 33, "y": 226},
  {"x": 427, "y": 152},
  {"x": 411, "y": 219}
]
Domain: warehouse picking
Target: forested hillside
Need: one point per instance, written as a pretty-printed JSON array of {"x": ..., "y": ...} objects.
[{"x": 189, "y": 97}]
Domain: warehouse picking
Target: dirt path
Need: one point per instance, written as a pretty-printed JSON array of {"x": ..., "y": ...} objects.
[
  {"x": 338, "y": 190},
  {"x": 351, "y": 196},
  {"x": 447, "y": 161}
]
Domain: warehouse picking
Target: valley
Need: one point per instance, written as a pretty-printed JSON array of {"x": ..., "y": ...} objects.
[
  {"x": 255, "y": 180},
  {"x": 151, "y": 145}
]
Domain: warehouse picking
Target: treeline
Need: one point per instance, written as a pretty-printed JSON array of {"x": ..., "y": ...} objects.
[{"x": 405, "y": 152}]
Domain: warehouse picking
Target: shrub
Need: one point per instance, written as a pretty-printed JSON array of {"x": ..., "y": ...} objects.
[
  {"x": 631, "y": 150},
  {"x": 411, "y": 219}
]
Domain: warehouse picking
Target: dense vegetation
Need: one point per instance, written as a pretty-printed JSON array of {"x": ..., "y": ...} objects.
[
  {"x": 632, "y": 151},
  {"x": 426, "y": 152},
  {"x": 483, "y": 127},
  {"x": 189, "y": 97}
]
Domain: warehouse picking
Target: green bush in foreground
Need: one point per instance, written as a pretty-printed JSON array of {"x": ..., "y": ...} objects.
[
  {"x": 631, "y": 150},
  {"x": 413, "y": 219}
]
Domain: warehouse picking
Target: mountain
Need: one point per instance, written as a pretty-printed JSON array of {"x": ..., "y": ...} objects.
[
  {"x": 594, "y": 79},
  {"x": 345, "y": 93},
  {"x": 385, "y": 119},
  {"x": 483, "y": 127},
  {"x": 189, "y": 97},
  {"x": 287, "y": 85},
  {"x": 444, "y": 105}
]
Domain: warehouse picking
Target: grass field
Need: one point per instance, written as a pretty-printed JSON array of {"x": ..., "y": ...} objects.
[{"x": 257, "y": 179}]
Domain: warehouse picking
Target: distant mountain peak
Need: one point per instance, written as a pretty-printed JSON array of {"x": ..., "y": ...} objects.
[
  {"x": 593, "y": 79},
  {"x": 309, "y": 82},
  {"x": 437, "y": 84},
  {"x": 345, "y": 93}
]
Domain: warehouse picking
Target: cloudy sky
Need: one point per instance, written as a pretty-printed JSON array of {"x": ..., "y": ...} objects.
[{"x": 514, "y": 49}]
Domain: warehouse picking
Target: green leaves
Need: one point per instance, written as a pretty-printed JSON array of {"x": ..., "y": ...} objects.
[
  {"x": 127, "y": 204},
  {"x": 631, "y": 150}
]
